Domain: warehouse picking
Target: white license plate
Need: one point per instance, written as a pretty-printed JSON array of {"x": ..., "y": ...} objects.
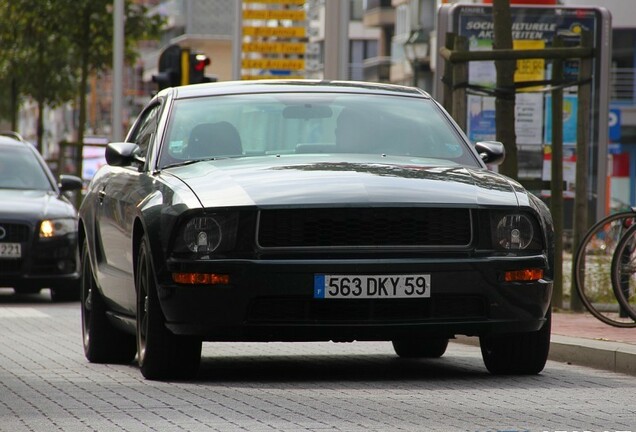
[
  {"x": 372, "y": 286},
  {"x": 10, "y": 250}
]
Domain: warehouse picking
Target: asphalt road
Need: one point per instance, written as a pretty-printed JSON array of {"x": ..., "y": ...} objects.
[{"x": 47, "y": 385}]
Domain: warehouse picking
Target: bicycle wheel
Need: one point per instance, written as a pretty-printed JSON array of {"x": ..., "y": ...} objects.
[
  {"x": 624, "y": 273},
  {"x": 593, "y": 267}
]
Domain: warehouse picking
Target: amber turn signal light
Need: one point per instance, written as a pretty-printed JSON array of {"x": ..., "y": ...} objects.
[
  {"x": 525, "y": 275},
  {"x": 201, "y": 278}
]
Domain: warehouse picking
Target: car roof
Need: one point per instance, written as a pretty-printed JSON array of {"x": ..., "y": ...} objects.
[
  {"x": 11, "y": 138},
  {"x": 293, "y": 86}
]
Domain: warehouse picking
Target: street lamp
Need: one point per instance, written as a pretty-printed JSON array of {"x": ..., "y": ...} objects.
[{"x": 416, "y": 49}]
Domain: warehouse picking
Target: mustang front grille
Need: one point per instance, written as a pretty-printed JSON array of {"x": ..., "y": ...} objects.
[{"x": 364, "y": 227}]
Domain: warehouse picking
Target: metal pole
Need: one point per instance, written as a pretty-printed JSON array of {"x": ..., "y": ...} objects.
[
  {"x": 336, "y": 40},
  {"x": 118, "y": 70},
  {"x": 237, "y": 45}
]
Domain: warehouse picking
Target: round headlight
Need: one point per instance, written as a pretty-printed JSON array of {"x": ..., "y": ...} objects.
[
  {"x": 202, "y": 234},
  {"x": 514, "y": 232}
]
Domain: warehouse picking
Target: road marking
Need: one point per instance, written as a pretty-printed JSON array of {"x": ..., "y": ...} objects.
[{"x": 21, "y": 312}]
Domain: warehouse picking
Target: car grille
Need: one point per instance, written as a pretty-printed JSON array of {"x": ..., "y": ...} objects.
[
  {"x": 312, "y": 311},
  {"x": 15, "y": 233},
  {"x": 360, "y": 227}
]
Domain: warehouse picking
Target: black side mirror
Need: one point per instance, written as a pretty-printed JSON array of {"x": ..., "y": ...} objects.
[
  {"x": 123, "y": 154},
  {"x": 491, "y": 152},
  {"x": 69, "y": 183}
]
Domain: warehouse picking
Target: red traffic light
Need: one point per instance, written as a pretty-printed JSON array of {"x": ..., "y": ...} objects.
[{"x": 200, "y": 62}]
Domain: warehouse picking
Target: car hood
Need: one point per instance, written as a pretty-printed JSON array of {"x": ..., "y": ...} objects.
[
  {"x": 33, "y": 205},
  {"x": 289, "y": 180}
]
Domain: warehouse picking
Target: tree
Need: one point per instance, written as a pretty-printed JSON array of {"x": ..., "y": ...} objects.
[
  {"x": 48, "y": 77},
  {"x": 91, "y": 39},
  {"x": 505, "y": 101},
  {"x": 48, "y": 49}
]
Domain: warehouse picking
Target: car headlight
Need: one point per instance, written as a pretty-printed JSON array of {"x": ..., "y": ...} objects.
[
  {"x": 515, "y": 231},
  {"x": 50, "y": 228},
  {"x": 207, "y": 234}
]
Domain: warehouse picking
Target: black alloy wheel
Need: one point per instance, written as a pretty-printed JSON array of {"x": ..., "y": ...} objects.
[
  {"x": 517, "y": 353},
  {"x": 102, "y": 342},
  {"x": 161, "y": 354}
]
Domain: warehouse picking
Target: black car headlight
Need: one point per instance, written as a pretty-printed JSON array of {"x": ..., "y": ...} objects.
[
  {"x": 515, "y": 231},
  {"x": 207, "y": 234},
  {"x": 50, "y": 228}
]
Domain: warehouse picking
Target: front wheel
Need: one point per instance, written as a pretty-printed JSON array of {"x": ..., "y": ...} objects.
[
  {"x": 161, "y": 354},
  {"x": 517, "y": 353}
]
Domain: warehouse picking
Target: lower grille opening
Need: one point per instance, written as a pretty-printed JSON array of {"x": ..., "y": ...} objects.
[{"x": 309, "y": 311}]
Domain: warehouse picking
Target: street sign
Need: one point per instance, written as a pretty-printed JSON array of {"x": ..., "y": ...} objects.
[
  {"x": 614, "y": 125},
  {"x": 274, "y": 39}
]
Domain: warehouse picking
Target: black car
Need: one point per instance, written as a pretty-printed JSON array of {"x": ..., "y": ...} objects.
[
  {"x": 38, "y": 224},
  {"x": 309, "y": 211}
]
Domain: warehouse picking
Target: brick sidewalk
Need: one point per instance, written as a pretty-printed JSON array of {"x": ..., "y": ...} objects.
[{"x": 584, "y": 325}]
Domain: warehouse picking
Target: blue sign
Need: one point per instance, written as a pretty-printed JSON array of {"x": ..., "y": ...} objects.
[{"x": 614, "y": 125}]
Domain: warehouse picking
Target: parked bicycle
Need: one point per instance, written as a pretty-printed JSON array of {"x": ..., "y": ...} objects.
[
  {"x": 624, "y": 273},
  {"x": 605, "y": 269}
]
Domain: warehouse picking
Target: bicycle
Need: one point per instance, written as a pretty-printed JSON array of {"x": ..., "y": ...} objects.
[
  {"x": 624, "y": 273},
  {"x": 593, "y": 263}
]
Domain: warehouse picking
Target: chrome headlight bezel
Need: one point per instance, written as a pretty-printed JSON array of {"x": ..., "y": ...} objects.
[
  {"x": 206, "y": 234},
  {"x": 515, "y": 231}
]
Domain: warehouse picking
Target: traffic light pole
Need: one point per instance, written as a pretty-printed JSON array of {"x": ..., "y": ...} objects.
[{"x": 118, "y": 71}]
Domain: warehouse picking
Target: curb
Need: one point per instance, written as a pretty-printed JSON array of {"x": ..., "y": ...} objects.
[{"x": 598, "y": 354}]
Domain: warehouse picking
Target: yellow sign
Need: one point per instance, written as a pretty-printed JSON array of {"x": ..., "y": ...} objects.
[
  {"x": 285, "y": 2},
  {"x": 530, "y": 69},
  {"x": 278, "y": 14},
  {"x": 284, "y": 64},
  {"x": 258, "y": 77},
  {"x": 289, "y": 32},
  {"x": 274, "y": 47}
]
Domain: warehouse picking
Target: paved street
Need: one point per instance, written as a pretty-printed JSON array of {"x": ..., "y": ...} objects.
[{"x": 47, "y": 385}]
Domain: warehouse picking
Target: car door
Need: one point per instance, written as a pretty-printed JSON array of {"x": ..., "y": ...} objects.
[{"x": 119, "y": 196}]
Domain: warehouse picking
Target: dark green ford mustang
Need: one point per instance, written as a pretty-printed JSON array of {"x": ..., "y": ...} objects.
[{"x": 309, "y": 211}]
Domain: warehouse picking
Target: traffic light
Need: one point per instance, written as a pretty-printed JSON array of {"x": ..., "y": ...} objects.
[
  {"x": 198, "y": 62},
  {"x": 169, "y": 68}
]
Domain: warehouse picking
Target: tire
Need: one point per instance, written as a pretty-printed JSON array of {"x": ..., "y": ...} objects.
[
  {"x": 517, "y": 353},
  {"x": 102, "y": 342},
  {"x": 624, "y": 273},
  {"x": 161, "y": 354},
  {"x": 592, "y": 263},
  {"x": 420, "y": 348}
]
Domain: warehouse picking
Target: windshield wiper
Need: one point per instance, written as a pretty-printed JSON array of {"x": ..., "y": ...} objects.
[{"x": 190, "y": 162}]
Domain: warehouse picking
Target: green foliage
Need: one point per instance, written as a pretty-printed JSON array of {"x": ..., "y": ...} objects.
[{"x": 48, "y": 47}]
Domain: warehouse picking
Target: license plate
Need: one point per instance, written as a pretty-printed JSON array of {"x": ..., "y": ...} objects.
[
  {"x": 372, "y": 286},
  {"x": 10, "y": 250}
]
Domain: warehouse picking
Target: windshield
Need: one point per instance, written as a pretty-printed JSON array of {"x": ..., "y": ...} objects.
[
  {"x": 19, "y": 169},
  {"x": 311, "y": 123}
]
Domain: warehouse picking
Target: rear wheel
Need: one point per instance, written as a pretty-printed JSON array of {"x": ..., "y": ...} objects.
[
  {"x": 517, "y": 353},
  {"x": 420, "y": 348},
  {"x": 161, "y": 354},
  {"x": 103, "y": 343}
]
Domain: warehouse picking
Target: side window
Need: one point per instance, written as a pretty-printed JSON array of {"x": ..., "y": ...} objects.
[{"x": 145, "y": 129}]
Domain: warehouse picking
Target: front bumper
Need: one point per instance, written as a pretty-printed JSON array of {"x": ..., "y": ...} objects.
[
  {"x": 51, "y": 263},
  {"x": 272, "y": 300}
]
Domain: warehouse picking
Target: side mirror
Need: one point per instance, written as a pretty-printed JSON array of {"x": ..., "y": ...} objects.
[
  {"x": 491, "y": 152},
  {"x": 69, "y": 183},
  {"x": 123, "y": 154}
]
